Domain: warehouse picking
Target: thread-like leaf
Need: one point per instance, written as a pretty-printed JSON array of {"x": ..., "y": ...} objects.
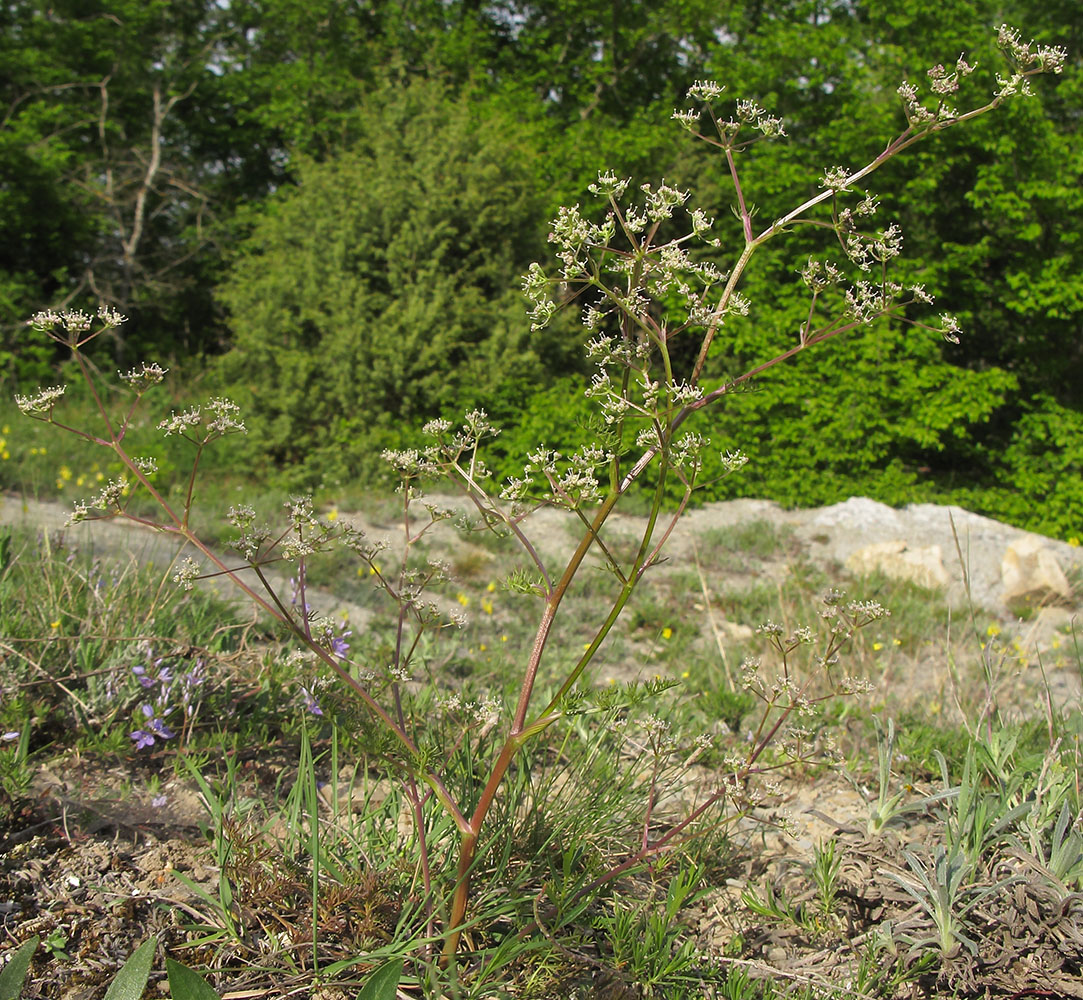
[
  {"x": 383, "y": 984},
  {"x": 185, "y": 984},
  {"x": 131, "y": 981},
  {"x": 13, "y": 975}
]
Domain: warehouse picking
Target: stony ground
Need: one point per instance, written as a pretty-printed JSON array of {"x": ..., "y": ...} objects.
[{"x": 86, "y": 863}]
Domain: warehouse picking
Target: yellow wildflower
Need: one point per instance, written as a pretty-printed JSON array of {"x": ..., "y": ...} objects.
[{"x": 667, "y": 633}]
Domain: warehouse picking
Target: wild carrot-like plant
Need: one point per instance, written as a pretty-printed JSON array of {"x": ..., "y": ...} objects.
[{"x": 656, "y": 286}]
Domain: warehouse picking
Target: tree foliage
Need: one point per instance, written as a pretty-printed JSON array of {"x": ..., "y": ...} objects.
[
  {"x": 342, "y": 194},
  {"x": 382, "y": 287}
]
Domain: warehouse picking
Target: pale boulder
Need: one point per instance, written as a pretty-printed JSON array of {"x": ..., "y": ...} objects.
[
  {"x": 901, "y": 561},
  {"x": 736, "y": 632},
  {"x": 1030, "y": 572}
]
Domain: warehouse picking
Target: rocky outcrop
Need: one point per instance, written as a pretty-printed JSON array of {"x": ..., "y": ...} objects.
[
  {"x": 1031, "y": 574},
  {"x": 985, "y": 562},
  {"x": 899, "y": 560}
]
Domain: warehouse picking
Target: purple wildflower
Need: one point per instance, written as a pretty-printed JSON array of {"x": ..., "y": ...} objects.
[
  {"x": 339, "y": 646},
  {"x": 142, "y": 739},
  {"x": 311, "y": 704},
  {"x": 298, "y": 584},
  {"x": 141, "y": 675},
  {"x": 156, "y": 725}
]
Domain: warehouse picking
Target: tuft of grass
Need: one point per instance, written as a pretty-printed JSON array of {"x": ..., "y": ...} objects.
[
  {"x": 729, "y": 548},
  {"x": 88, "y": 641}
]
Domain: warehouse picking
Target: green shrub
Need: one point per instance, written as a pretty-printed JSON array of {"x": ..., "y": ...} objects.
[{"x": 380, "y": 287}]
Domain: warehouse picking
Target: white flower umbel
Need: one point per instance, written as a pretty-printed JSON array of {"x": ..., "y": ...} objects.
[
  {"x": 140, "y": 379},
  {"x": 42, "y": 402},
  {"x": 178, "y": 423},
  {"x": 187, "y": 573}
]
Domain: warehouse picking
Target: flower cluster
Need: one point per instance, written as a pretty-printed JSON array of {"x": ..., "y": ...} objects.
[
  {"x": 941, "y": 82},
  {"x": 1030, "y": 56},
  {"x": 252, "y": 537},
  {"x": 221, "y": 416},
  {"x": 746, "y": 113},
  {"x": 866, "y": 251},
  {"x": 74, "y": 320},
  {"x": 819, "y": 276},
  {"x": 42, "y": 402},
  {"x": 484, "y": 712},
  {"x": 72, "y": 326},
  {"x": 187, "y": 573},
  {"x": 835, "y": 179},
  {"x": 164, "y": 690},
  {"x": 110, "y": 499},
  {"x": 140, "y": 379}
]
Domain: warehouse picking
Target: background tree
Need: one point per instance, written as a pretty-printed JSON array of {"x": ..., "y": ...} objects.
[
  {"x": 382, "y": 288},
  {"x": 125, "y": 156}
]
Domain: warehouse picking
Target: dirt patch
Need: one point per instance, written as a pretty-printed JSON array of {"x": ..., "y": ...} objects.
[{"x": 1023, "y": 938}]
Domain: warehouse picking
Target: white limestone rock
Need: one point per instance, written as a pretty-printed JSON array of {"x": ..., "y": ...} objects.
[
  {"x": 1030, "y": 572},
  {"x": 899, "y": 560}
]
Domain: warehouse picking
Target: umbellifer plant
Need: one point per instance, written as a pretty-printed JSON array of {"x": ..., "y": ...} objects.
[{"x": 643, "y": 269}]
